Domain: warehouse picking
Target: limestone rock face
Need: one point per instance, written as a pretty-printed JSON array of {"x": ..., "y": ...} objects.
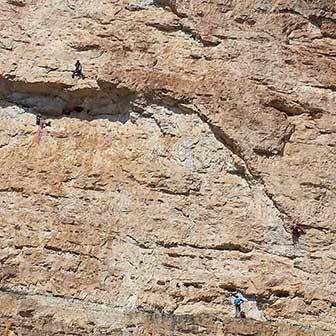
[{"x": 169, "y": 177}]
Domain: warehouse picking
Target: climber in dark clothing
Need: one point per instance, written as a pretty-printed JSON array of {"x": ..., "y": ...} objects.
[
  {"x": 298, "y": 230},
  {"x": 296, "y": 227},
  {"x": 78, "y": 70},
  {"x": 38, "y": 119}
]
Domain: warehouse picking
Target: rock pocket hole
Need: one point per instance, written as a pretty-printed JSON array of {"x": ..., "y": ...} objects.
[
  {"x": 69, "y": 110},
  {"x": 78, "y": 109},
  {"x": 281, "y": 293},
  {"x": 27, "y": 313}
]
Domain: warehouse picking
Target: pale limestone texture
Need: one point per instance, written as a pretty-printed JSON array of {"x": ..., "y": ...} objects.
[{"x": 171, "y": 174}]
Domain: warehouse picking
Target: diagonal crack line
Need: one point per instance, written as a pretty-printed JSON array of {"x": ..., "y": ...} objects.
[
  {"x": 276, "y": 205},
  {"x": 247, "y": 173},
  {"x": 231, "y": 144},
  {"x": 252, "y": 178}
]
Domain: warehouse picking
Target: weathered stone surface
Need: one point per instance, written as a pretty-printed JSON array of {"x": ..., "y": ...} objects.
[{"x": 171, "y": 174}]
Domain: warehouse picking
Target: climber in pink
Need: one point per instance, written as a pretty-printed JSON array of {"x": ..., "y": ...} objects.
[{"x": 41, "y": 124}]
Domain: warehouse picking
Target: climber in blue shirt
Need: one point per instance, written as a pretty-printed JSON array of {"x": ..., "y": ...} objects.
[{"x": 237, "y": 301}]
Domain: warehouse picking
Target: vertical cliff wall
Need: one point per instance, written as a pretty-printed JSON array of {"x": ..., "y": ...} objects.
[{"x": 171, "y": 175}]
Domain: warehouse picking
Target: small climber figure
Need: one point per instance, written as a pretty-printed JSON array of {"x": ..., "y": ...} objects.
[
  {"x": 41, "y": 124},
  {"x": 78, "y": 70},
  {"x": 297, "y": 229},
  {"x": 38, "y": 119},
  {"x": 237, "y": 301}
]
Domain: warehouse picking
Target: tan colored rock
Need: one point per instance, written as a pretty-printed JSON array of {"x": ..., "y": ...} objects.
[{"x": 171, "y": 175}]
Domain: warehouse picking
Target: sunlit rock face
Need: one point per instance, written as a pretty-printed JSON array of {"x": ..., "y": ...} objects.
[{"x": 169, "y": 178}]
